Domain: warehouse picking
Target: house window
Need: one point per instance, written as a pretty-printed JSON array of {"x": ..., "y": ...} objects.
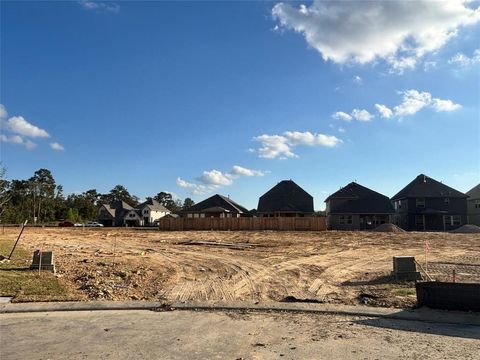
[
  {"x": 420, "y": 202},
  {"x": 419, "y": 220},
  {"x": 477, "y": 204},
  {"x": 131, "y": 215},
  {"x": 447, "y": 219},
  {"x": 345, "y": 219},
  {"x": 456, "y": 220},
  {"x": 446, "y": 201},
  {"x": 145, "y": 211}
]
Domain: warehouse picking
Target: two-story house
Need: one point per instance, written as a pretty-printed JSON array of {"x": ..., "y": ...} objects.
[
  {"x": 356, "y": 207},
  {"x": 286, "y": 199},
  {"x": 114, "y": 213},
  {"x": 145, "y": 214},
  {"x": 426, "y": 204},
  {"x": 473, "y": 205}
]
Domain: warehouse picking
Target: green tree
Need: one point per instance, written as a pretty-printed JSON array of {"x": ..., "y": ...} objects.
[
  {"x": 187, "y": 203},
  {"x": 42, "y": 190},
  {"x": 119, "y": 193},
  {"x": 4, "y": 193},
  {"x": 166, "y": 199}
]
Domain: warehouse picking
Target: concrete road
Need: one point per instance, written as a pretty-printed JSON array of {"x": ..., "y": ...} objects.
[{"x": 228, "y": 335}]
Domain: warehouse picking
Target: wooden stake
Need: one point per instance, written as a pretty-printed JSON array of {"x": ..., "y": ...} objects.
[
  {"x": 18, "y": 238},
  {"x": 114, "y": 250},
  {"x": 40, "y": 259}
]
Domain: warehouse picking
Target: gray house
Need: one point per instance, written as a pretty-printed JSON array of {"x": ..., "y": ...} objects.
[
  {"x": 286, "y": 199},
  {"x": 426, "y": 204},
  {"x": 473, "y": 206},
  {"x": 113, "y": 214},
  {"x": 356, "y": 207},
  {"x": 216, "y": 206}
]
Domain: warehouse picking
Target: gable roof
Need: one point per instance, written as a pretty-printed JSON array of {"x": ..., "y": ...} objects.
[
  {"x": 424, "y": 186},
  {"x": 359, "y": 199},
  {"x": 218, "y": 201},
  {"x": 474, "y": 193},
  {"x": 153, "y": 205},
  {"x": 286, "y": 196}
]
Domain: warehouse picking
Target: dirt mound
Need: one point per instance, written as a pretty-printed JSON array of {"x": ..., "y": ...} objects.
[
  {"x": 388, "y": 227},
  {"x": 467, "y": 229}
]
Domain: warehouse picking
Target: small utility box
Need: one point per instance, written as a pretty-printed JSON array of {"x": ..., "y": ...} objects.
[
  {"x": 405, "y": 269},
  {"x": 43, "y": 260}
]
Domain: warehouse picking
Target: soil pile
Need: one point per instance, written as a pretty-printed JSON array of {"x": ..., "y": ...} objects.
[
  {"x": 388, "y": 227},
  {"x": 467, "y": 229}
]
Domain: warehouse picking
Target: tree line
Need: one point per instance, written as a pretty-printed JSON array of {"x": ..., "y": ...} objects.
[{"x": 40, "y": 199}]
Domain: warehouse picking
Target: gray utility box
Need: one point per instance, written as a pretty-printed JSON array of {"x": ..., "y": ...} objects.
[
  {"x": 46, "y": 262},
  {"x": 405, "y": 269}
]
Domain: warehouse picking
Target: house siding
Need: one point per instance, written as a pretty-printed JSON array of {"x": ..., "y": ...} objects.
[
  {"x": 406, "y": 217},
  {"x": 473, "y": 211}
]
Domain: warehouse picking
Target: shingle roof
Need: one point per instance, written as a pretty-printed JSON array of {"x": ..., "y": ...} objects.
[
  {"x": 218, "y": 201},
  {"x": 286, "y": 196},
  {"x": 153, "y": 205},
  {"x": 424, "y": 186},
  {"x": 359, "y": 199},
  {"x": 474, "y": 193}
]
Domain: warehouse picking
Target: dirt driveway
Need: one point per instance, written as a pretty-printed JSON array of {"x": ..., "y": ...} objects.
[{"x": 332, "y": 267}]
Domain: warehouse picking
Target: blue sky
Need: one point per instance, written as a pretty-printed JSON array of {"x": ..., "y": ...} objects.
[{"x": 198, "y": 98}]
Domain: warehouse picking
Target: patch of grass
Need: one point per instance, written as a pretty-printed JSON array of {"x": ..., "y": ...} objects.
[
  {"x": 404, "y": 291},
  {"x": 17, "y": 280}
]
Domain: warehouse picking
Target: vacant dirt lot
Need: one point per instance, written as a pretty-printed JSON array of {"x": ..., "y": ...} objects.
[{"x": 335, "y": 267}]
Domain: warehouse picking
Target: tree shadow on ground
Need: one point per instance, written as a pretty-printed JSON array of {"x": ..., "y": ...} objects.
[{"x": 455, "y": 330}]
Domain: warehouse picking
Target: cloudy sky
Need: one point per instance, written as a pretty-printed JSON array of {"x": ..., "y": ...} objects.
[{"x": 198, "y": 98}]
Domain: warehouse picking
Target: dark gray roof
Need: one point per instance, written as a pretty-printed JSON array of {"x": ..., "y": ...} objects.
[
  {"x": 359, "y": 199},
  {"x": 474, "y": 193},
  {"x": 218, "y": 201},
  {"x": 286, "y": 196},
  {"x": 117, "y": 209},
  {"x": 424, "y": 186}
]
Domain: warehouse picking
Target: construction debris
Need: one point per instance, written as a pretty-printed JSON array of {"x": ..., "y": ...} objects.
[
  {"x": 467, "y": 229},
  {"x": 43, "y": 260},
  {"x": 405, "y": 269},
  {"x": 388, "y": 227}
]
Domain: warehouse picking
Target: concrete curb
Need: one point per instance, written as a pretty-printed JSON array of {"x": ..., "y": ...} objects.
[{"x": 423, "y": 314}]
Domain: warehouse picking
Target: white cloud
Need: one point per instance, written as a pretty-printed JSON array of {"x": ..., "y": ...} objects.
[
  {"x": 340, "y": 115},
  {"x": 429, "y": 65},
  {"x": 280, "y": 146},
  {"x": 216, "y": 178},
  {"x": 399, "y": 32},
  {"x": 384, "y": 111},
  {"x": 19, "y": 125},
  {"x": 414, "y": 101},
  {"x": 399, "y": 64},
  {"x": 100, "y": 6},
  {"x": 444, "y": 105},
  {"x": 211, "y": 180},
  {"x": 56, "y": 146},
  {"x": 16, "y": 139},
  {"x": 3, "y": 112},
  {"x": 239, "y": 170},
  {"x": 341, "y": 130},
  {"x": 361, "y": 115},
  {"x": 274, "y": 146},
  {"x": 465, "y": 61}
]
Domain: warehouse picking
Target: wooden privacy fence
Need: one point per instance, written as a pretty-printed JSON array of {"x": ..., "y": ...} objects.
[{"x": 245, "y": 223}]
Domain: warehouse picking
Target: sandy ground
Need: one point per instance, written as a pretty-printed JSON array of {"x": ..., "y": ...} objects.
[
  {"x": 204, "y": 335},
  {"x": 331, "y": 267}
]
